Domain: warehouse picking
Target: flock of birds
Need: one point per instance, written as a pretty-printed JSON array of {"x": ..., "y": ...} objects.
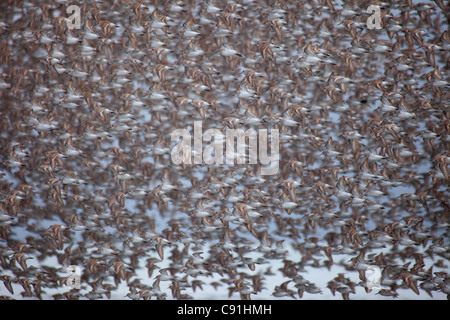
[{"x": 86, "y": 179}]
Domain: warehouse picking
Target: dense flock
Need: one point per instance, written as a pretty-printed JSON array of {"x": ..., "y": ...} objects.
[{"x": 93, "y": 207}]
